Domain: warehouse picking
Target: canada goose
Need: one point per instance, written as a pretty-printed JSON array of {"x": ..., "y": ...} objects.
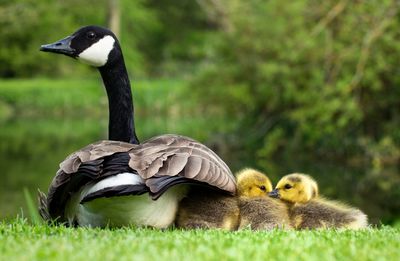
[
  {"x": 308, "y": 210},
  {"x": 251, "y": 208},
  {"x": 121, "y": 182}
]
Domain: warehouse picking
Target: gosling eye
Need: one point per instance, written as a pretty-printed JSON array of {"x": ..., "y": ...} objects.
[
  {"x": 90, "y": 35},
  {"x": 263, "y": 188},
  {"x": 288, "y": 186}
]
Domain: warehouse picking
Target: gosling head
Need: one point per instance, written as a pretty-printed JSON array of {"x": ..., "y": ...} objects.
[
  {"x": 295, "y": 188},
  {"x": 93, "y": 45},
  {"x": 252, "y": 183}
]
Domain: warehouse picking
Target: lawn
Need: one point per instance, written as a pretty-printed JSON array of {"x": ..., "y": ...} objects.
[{"x": 22, "y": 241}]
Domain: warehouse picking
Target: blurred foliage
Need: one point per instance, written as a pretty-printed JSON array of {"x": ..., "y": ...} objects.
[
  {"x": 279, "y": 85},
  {"x": 308, "y": 78},
  {"x": 316, "y": 80},
  {"x": 26, "y": 24},
  {"x": 157, "y": 37}
]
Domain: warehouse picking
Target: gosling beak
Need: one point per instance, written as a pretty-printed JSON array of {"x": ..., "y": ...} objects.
[
  {"x": 274, "y": 194},
  {"x": 62, "y": 46}
]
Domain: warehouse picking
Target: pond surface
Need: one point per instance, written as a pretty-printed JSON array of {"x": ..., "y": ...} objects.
[{"x": 30, "y": 152}]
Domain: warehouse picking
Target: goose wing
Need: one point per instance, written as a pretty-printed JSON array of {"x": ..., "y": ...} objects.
[
  {"x": 167, "y": 160},
  {"x": 93, "y": 162},
  {"x": 161, "y": 162}
]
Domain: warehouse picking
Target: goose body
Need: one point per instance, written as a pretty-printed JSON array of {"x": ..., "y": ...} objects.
[
  {"x": 140, "y": 210},
  {"x": 308, "y": 210},
  {"x": 250, "y": 208},
  {"x": 117, "y": 211},
  {"x": 120, "y": 181}
]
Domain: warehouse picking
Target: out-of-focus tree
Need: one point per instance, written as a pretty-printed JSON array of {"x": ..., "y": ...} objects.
[
  {"x": 26, "y": 24},
  {"x": 308, "y": 76},
  {"x": 308, "y": 79},
  {"x": 182, "y": 39},
  {"x": 285, "y": 79},
  {"x": 114, "y": 16}
]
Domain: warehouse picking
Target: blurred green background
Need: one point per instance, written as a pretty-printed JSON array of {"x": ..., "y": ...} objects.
[{"x": 280, "y": 85}]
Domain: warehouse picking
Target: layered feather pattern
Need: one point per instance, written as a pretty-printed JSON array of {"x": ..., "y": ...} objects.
[{"x": 161, "y": 162}]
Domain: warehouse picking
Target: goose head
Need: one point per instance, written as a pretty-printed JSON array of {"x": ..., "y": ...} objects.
[
  {"x": 252, "y": 183},
  {"x": 295, "y": 188},
  {"x": 94, "y": 45}
]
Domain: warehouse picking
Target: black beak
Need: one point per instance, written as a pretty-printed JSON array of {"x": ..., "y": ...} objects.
[
  {"x": 274, "y": 194},
  {"x": 63, "y": 46}
]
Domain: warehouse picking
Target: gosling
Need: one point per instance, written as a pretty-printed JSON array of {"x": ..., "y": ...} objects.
[
  {"x": 251, "y": 208},
  {"x": 307, "y": 210}
]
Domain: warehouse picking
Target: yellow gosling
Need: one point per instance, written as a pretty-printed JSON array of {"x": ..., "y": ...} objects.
[
  {"x": 257, "y": 210},
  {"x": 307, "y": 210}
]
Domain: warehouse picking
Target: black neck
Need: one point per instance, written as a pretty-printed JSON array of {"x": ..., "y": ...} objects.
[{"x": 121, "y": 125}]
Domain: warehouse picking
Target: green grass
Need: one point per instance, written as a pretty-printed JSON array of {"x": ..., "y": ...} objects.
[{"x": 21, "y": 241}]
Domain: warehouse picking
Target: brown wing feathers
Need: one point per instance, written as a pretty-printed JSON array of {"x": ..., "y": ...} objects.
[
  {"x": 181, "y": 156},
  {"x": 122, "y": 190},
  {"x": 162, "y": 162},
  {"x": 65, "y": 184},
  {"x": 93, "y": 152}
]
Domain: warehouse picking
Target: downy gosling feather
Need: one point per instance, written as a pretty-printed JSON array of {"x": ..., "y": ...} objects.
[
  {"x": 251, "y": 208},
  {"x": 308, "y": 210}
]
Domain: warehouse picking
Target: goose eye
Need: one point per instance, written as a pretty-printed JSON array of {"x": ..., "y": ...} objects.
[
  {"x": 263, "y": 188},
  {"x": 91, "y": 35},
  {"x": 288, "y": 186}
]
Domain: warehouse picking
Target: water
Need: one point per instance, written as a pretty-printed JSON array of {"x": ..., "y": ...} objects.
[{"x": 30, "y": 152}]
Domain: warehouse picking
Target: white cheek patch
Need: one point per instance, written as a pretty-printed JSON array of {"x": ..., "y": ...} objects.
[{"x": 97, "y": 54}]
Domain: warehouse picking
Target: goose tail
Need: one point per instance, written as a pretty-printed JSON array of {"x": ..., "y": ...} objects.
[{"x": 42, "y": 203}]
